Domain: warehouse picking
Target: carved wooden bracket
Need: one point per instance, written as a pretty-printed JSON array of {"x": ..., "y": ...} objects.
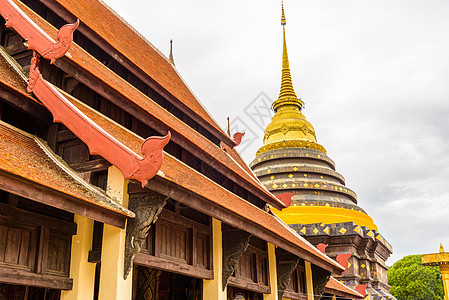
[
  {"x": 286, "y": 198},
  {"x": 322, "y": 247},
  {"x": 237, "y": 137},
  {"x": 361, "y": 288},
  {"x": 133, "y": 166},
  {"x": 286, "y": 263},
  {"x": 35, "y": 37},
  {"x": 147, "y": 207},
  {"x": 234, "y": 243},
  {"x": 320, "y": 278},
  {"x": 343, "y": 258}
]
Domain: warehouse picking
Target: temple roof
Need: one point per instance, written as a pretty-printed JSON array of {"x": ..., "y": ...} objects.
[
  {"x": 253, "y": 219},
  {"x": 132, "y": 46},
  {"x": 229, "y": 160}
]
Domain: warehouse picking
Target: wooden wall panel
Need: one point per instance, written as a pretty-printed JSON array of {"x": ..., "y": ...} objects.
[
  {"x": 34, "y": 248},
  {"x": 179, "y": 244}
]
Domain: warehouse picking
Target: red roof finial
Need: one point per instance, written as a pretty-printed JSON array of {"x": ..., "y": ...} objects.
[
  {"x": 322, "y": 247},
  {"x": 343, "y": 258}
]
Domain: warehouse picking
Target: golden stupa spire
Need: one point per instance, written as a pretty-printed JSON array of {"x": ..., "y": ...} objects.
[
  {"x": 288, "y": 128},
  {"x": 441, "y": 248},
  {"x": 287, "y": 94}
]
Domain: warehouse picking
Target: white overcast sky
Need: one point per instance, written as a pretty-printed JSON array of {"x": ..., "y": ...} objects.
[{"x": 374, "y": 76}]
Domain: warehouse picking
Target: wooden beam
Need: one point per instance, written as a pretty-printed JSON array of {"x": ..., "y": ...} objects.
[
  {"x": 95, "y": 165},
  {"x": 25, "y": 104},
  {"x": 22, "y": 277},
  {"x": 214, "y": 210},
  {"x": 172, "y": 266},
  {"x": 249, "y": 285},
  {"x": 45, "y": 195}
]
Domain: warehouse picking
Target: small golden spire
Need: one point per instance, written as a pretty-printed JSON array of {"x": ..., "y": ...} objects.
[
  {"x": 441, "y": 248},
  {"x": 170, "y": 57}
]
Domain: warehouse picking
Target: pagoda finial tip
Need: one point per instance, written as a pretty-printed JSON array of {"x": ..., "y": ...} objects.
[
  {"x": 283, "y": 21},
  {"x": 441, "y": 248}
]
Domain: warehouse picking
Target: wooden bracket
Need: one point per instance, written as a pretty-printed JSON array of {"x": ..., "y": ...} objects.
[
  {"x": 320, "y": 279},
  {"x": 36, "y": 39},
  {"x": 147, "y": 207},
  {"x": 234, "y": 242},
  {"x": 286, "y": 263}
]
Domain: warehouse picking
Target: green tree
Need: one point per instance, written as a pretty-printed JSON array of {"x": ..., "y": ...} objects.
[{"x": 410, "y": 280}]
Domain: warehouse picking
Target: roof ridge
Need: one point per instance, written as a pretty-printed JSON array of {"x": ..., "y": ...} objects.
[{"x": 133, "y": 29}]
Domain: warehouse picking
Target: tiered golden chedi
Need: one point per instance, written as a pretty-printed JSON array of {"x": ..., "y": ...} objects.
[{"x": 323, "y": 209}]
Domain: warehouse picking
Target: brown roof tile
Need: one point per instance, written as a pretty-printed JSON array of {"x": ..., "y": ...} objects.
[
  {"x": 28, "y": 157},
  {"x": 121, "y": 36}
]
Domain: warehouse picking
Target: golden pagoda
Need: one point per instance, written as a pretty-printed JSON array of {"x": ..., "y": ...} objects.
[
  {"x": 441, "y": 260},
  {"x": 322, "y": 208}
]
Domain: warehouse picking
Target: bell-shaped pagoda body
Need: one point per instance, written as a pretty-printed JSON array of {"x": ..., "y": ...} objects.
[{"x": 322, "y": 209}]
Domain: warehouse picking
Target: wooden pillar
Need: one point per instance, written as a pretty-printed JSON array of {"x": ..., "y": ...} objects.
[
  {"x": 309, "y": 280},
  {"x": 273, "y": 274},
  {"x": 444, "y": 269},
  {"x": 113, "y": 286},
  {"x": 81, "y": 271},
  {"x": 212, "y": 289}
]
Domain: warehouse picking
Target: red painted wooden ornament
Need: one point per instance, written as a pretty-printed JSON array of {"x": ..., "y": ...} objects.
[
  {"x": 141, "y": 167},
  {"x": 237, "y": 137},
  {"x": 361, "y": 288},
  {"x": 286, "y": 198},
  {"x": 36, "y": 38},
  {"x": 322, "y": 247},
  {"x": 343, "y": 258}
]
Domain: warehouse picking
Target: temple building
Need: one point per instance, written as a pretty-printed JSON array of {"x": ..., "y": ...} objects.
[
  {"x": 116, "y": 184},
  {"x": 322, "y": 209}
]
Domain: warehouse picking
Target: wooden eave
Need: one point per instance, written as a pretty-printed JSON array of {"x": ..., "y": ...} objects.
[
  {"x": 28, "y": 171},
  {"x": 137, "y": 55},
  {"x": 334, "y": 287},
  {"x": 95, "y": 75}
]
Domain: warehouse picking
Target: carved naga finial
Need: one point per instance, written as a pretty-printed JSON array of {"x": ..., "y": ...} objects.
[
  {"x": 286, "y": 198},
  {"x": 152, "y": 151},
  {"x": 65, "y": 39},
  {"x": 361, "y": 288},
  {"x": 322, "y": 247},
  {"x": 343, "y": 258},
  {"x": 237, "y": 137},
  {"x": 36, "y": 39}
]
